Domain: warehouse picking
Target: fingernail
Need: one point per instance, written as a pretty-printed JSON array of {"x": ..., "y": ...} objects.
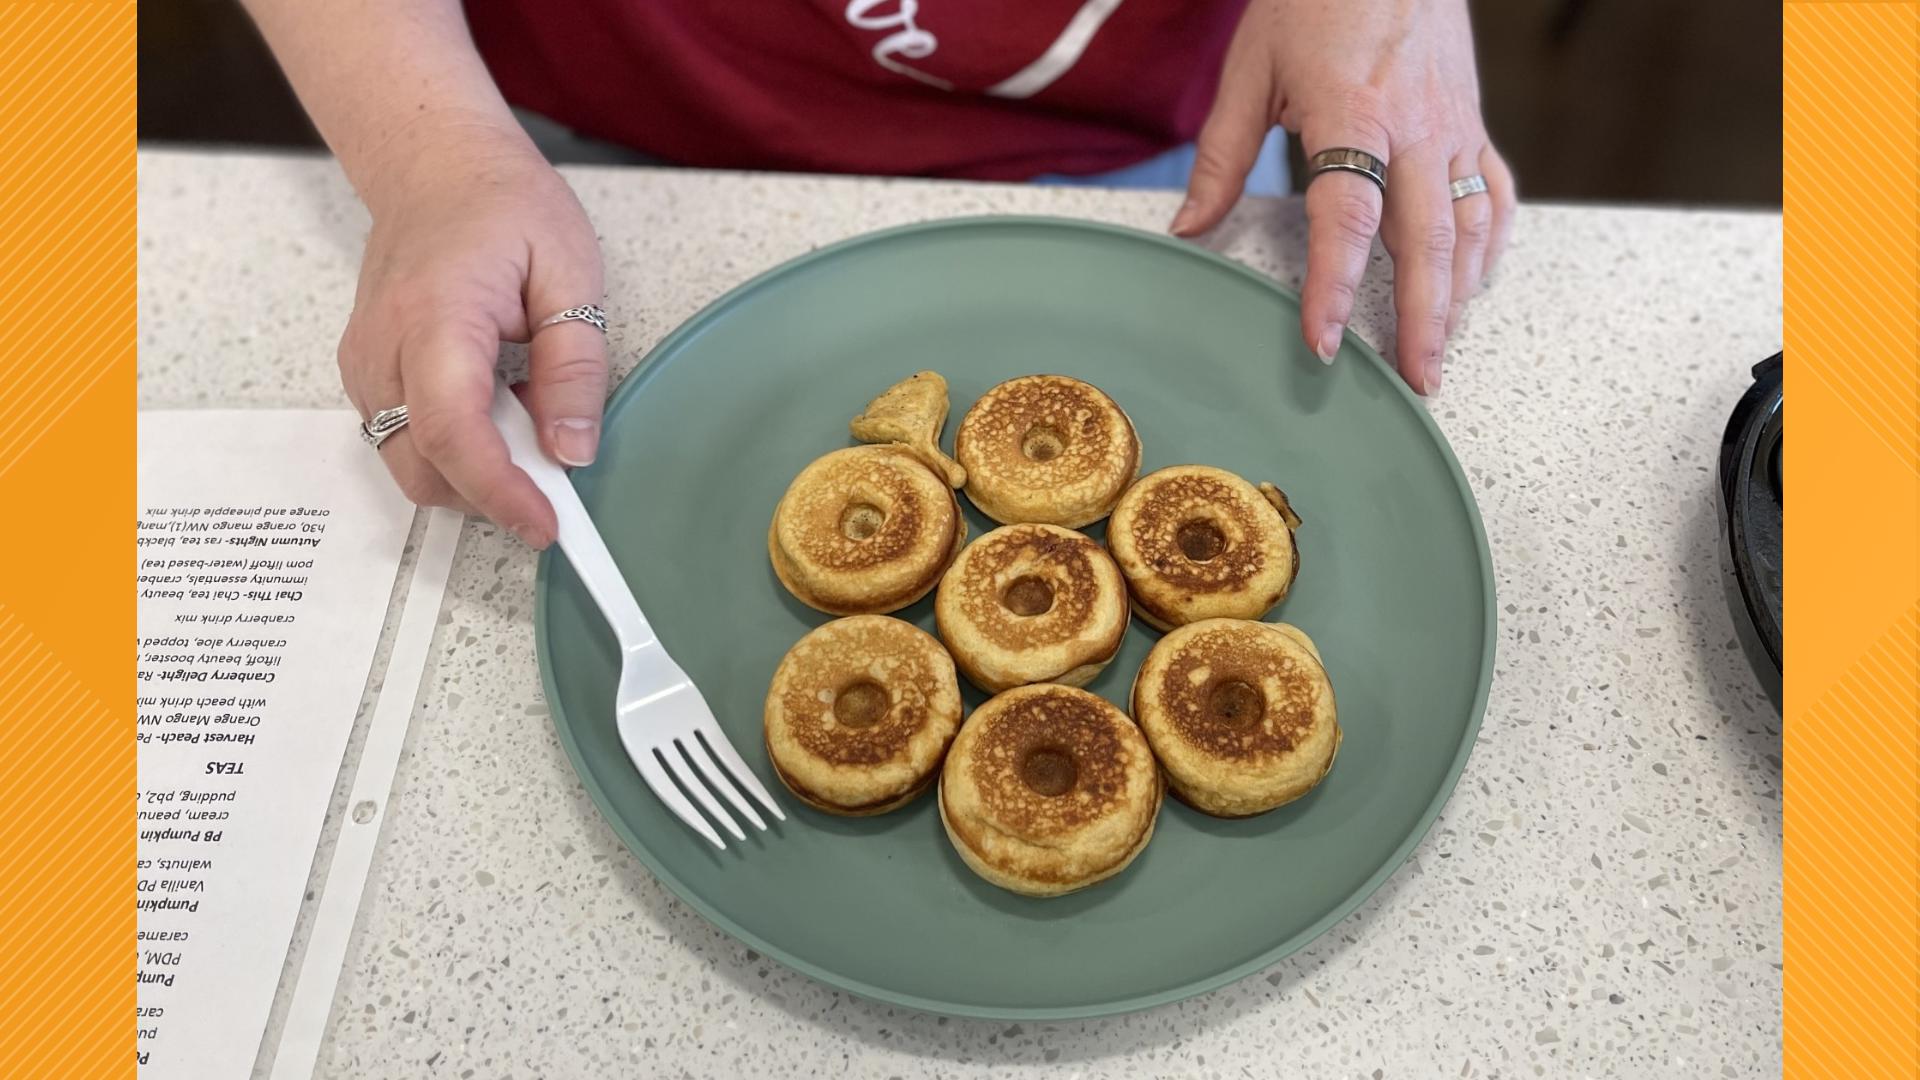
[
  {"x": 1183, "y": 220},
  {"x": 1433, "y": 374},
  {"x": 1330, "y": 344},
  {"x": 529, "y": 536},
  {"x": 575, "y": 439},
  {"x": 1453, "y": 317}
]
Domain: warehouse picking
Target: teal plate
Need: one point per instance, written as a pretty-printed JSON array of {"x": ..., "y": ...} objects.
[{"x": 1396, "y": 588}]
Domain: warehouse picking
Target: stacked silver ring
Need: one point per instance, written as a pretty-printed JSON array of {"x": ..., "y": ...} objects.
[{"x": 382, "y": 425}]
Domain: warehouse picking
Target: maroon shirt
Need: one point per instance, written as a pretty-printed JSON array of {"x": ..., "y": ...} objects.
[{"x": 985, "y": 89}]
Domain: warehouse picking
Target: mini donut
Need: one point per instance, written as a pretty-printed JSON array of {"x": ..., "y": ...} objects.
[
  {"x": 1046, "y": 448},
  {"x": 860, "y": 713},
  {"x": 1049, "y": 789},
  {"x": 1201, "y": 543},
  {"x": 1032, "y": 603},
  {"x": 865, "y": 530},
  {"x": 1240, "y": 714}
]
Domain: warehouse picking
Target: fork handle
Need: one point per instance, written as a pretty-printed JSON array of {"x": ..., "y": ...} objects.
[{"x": 578, "y": 538}]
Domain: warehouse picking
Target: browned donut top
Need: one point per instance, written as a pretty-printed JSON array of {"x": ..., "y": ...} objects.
[
  {"x": 1184, "y": 528},
  {"x": 1235, "y": 690},
  {"x": 1045, "y": 431},
  {"x": 1051, "y": 761},
  {"x": 864, "y": 507},
  {"x": 1029, "y": 586},
  {"x": 856, "y": 691}
]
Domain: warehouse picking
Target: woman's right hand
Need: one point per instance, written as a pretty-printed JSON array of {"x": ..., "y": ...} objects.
[{"x": 475, "y": 239}]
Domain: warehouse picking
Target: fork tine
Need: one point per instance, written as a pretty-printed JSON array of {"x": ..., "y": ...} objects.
[
  {"x": 656, "y": 777},
  {"x": 736, "y": 766},
  {"x": 695, "y": 748},
  {"x": 677, "y": 765}
]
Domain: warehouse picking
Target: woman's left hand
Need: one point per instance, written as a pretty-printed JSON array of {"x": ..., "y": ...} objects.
[{"x": 1395, "y": 79}]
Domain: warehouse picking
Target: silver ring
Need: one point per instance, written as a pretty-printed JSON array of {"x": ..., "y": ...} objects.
[
  {"x": 1348, "y": 159},
  {"x": 383, "y": 425},
  {"x": 586, "y": 313},
  {"x": 1467, "y": 185}
]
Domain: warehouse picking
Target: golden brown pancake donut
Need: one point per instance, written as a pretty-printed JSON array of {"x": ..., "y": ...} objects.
[
  {"x": 1046, "y": 448},
  {"x": 1032, "y": 603},
  {"x": 860, "y": 713},
  {"x": 1240, "y": 714},
  {"x": 865, "y": 530},
  {"x": 1201, "y": 543},
  {"x": 1049, "y": 789}
]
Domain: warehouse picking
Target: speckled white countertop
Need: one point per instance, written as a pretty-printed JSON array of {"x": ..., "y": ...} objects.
[{"x": 1600, "y": 898}]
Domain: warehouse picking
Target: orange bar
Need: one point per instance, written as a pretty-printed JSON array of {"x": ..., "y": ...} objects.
[
  {"x": 66, "y": 572},
  {"x": 1852, "y": 789}
]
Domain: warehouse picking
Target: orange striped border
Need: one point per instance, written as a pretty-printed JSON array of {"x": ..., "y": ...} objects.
[
  {"x": 66, "y": 564},
  {"x": 1852, "y": 787}
]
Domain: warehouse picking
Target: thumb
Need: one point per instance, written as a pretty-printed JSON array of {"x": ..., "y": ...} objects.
[
  {"x": 567, "y": 363},
  {"x": 1228, "y": 143}
]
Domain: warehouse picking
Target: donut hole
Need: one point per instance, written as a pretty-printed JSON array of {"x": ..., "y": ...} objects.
[
  {"x": 863, "y": 704},
  {"x": 1043, "y": 442},
  {"x": 861, "y": 520},
  {"x": 1200, "y": 540},
  {"x": 1028, "y": 595},
  {"x": 1235, "y": 704},
  {"x": 1048, "y": 771}
]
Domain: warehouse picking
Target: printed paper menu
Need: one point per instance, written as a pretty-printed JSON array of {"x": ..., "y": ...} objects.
[{"x": 268, "y": 543}]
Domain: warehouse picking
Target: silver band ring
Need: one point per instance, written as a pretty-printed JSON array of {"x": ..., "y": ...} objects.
[
  {"x": 1467, "y": 185},
  {"x": 383, "y": 425},
  {"x": 586, "y": 313},
  {"x": 1348, "y": 159}
]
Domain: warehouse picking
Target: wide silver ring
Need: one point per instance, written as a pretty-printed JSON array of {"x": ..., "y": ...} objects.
[
  {"x": 1467, "y": 185},
  {"x": 586, "y": 313},
  {"x": 1348, "y": 159},
  {"x": 382, "y": 425}
]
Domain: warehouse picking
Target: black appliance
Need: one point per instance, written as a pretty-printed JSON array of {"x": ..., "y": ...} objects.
[{"x": 1751, "y": 504}]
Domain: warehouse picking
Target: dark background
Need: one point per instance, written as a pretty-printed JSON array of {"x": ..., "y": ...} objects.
[{"x": 1664, "y": 101}]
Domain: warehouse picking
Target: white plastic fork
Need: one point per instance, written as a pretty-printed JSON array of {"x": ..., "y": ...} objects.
[{"x": 664, "y": 723}]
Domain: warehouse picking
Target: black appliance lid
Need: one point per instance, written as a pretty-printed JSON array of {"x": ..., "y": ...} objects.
[{"x": 1752, "y": 503}]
